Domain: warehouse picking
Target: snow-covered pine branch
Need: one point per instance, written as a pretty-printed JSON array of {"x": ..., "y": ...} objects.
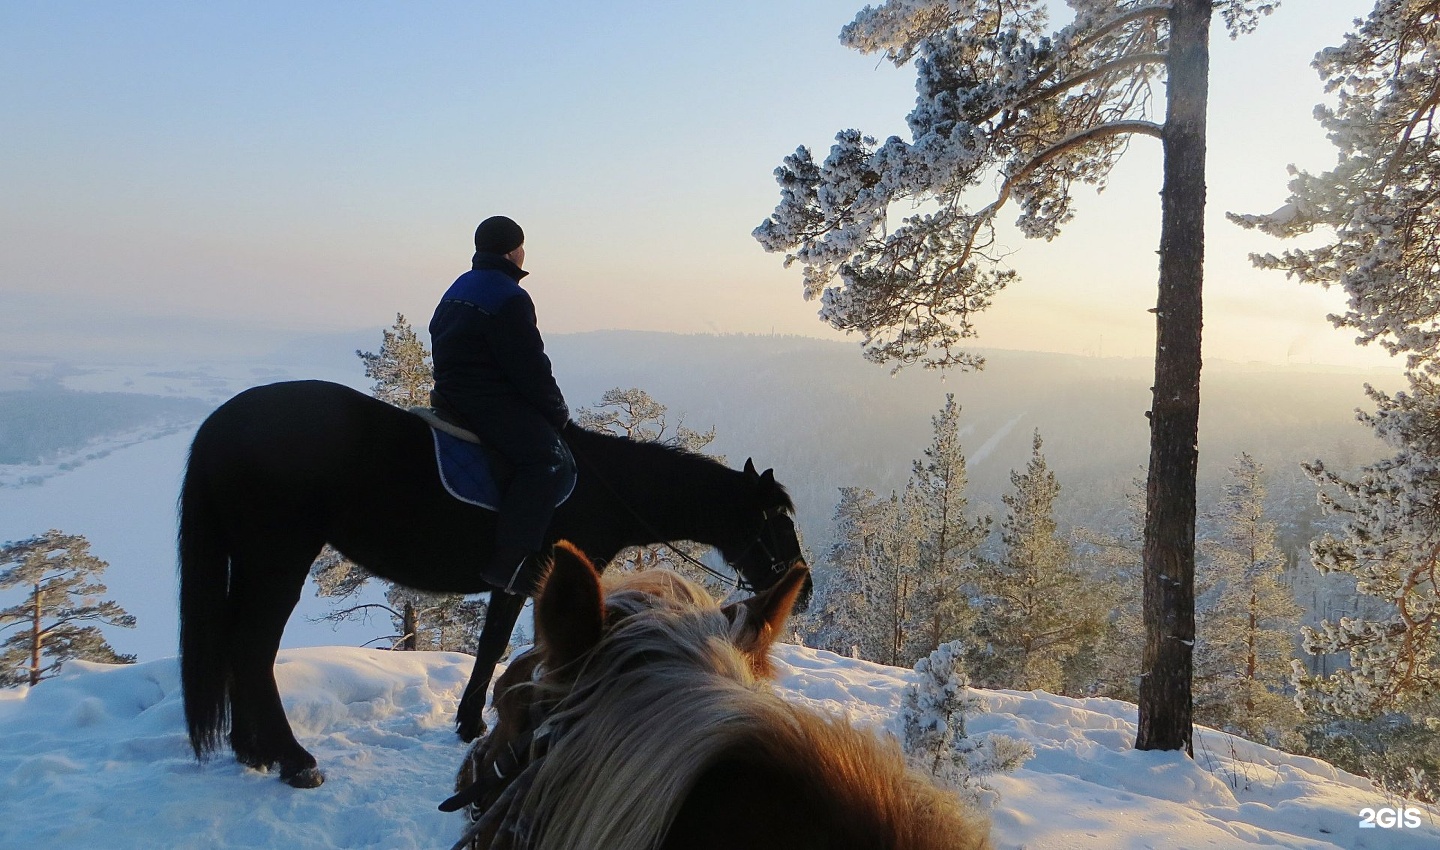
[
  {"x": 1390, "y": 543},
  {"x": 1381, "y": 201},
  {"x": 998, "y": 100}
]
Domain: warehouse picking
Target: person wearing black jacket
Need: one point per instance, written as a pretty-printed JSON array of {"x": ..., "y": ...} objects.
[{"x": 492, "y": 376}]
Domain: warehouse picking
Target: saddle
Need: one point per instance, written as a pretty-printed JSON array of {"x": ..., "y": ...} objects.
[{"x": 471, "y": 471}]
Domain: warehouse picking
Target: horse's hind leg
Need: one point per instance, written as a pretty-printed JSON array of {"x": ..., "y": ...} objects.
[{"x": 264, "y": 589}]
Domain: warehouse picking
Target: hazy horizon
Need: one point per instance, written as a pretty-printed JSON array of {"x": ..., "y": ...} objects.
[{"x": 184, "y": 176}]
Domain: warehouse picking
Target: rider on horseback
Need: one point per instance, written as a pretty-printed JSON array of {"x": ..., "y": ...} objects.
[{"x": 492, "y": 377}]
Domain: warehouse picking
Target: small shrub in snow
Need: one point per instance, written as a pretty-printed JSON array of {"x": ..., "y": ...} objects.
[{"x": 933, "y": 711}]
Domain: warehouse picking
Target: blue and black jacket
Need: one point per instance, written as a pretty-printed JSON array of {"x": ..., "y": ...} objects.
[{"x": 487, "y": 348}]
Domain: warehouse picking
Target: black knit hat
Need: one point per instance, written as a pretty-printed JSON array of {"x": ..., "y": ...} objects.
[{"x": 498, "y": 235}]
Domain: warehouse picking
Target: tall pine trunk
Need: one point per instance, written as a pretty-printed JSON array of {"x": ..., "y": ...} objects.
[
  {"x": 1169, "y": 553},
  {"x": 36, "y": 638},
  {"x": 410, "y": 626}
]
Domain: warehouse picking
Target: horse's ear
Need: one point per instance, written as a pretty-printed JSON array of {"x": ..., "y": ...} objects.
[
  {"x": 750, "y": 466},
  {"x": 768, "y": 477},
  {"x": 570, "y": 608},
  {"x": 761, "y": 617}
]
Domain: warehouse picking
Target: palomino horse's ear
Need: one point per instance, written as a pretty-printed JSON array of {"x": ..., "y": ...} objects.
[
  {"x": 763, "y": 615},
  {"x": 569, "y": 610}
]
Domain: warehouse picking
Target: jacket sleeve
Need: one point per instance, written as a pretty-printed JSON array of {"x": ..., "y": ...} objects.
[{"x": 521, "y": 354}]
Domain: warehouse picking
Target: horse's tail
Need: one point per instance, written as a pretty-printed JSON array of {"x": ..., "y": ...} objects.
[{"x": 204, "y": 577}]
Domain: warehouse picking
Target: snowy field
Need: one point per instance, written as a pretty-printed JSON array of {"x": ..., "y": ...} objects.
[{"x": 98, "y": 758}]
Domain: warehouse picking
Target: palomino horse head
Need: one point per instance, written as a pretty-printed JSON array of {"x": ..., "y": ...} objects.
[{"x": 642, "y": 719}]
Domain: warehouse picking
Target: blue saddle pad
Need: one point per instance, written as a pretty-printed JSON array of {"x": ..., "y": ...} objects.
[{"x": 472, "y": 474}]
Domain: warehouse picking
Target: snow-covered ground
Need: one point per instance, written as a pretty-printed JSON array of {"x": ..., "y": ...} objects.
[{"x": 98, "y": 758}]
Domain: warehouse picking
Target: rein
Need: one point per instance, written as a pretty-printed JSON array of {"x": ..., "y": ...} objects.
[{"x": 740, "y": 581}]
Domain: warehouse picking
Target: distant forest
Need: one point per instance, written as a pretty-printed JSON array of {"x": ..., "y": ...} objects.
[{"x": 38, "y": 424}]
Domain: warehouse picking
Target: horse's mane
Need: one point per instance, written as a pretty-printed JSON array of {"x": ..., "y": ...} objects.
[
  {"x": 616, "y": 775},
  {"x": 592, "y": 446}
]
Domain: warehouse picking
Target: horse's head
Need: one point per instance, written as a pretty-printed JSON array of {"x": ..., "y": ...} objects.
[{"x": 769, "y": 546}]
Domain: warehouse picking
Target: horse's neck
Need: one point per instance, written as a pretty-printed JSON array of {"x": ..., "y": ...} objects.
[{"x": 673, "y": 497}]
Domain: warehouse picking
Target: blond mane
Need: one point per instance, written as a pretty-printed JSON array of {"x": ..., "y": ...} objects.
[{"x": 665, "y": 696}]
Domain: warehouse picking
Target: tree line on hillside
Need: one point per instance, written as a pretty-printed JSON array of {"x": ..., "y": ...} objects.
[
  {"x": 41, "y": 423},
  {"x": 1038, "y": 608}
]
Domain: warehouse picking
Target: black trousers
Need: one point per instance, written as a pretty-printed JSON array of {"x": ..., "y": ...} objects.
[{"x": 540, "y": 466}]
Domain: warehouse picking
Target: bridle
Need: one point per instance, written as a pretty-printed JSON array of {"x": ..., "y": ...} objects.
[{"x": 775, "y": 565}]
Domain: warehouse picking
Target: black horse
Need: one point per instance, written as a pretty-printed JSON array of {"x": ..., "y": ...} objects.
[{"x": 280, "y": 470}]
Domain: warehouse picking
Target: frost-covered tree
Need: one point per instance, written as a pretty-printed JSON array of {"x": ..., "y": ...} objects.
[
  {"x": 869, "y": 595},
  {"x": 1378, "y": 210},
  {"x": 1247, "y": 617},
  {"x": 633, "y": 413},
  {"x": 422, "y": 621},
  {"x": 1035, "y": 610},
  {"x": 892, "y": 584},
  {"x": 1000, "y": 103},
  {"x": 1379, "y": 204},
  {"x": 401, "y": 370},
  {"x": 60, "y": 615},
  {"x": 841, "y": 619},
  {"x": 933, "y": 712},
  {"x": 1390, "y": 543},
  {"x": 951, "y": 537},
  {"x": 1116, "y": 570}
]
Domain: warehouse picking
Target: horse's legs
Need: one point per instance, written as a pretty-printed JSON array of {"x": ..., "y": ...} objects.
[
  {"x": 264, "y": 589},
  {"x": 500, "y": 616}
]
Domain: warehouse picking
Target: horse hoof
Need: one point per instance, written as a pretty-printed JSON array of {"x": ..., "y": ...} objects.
[
  {"x": 468, "y": 733},
  {"x": 309, "y": 777}
]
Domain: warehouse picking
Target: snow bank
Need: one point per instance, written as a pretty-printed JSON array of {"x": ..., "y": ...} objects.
[{"x": 98, "y": 757}]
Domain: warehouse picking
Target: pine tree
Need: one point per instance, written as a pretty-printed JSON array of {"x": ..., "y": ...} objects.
[
  {"x": 1036, "y": 610},
  {"x": 842, "y": 618},
  {"x": 633, "y": 413},
  {"x": 1378, "y": 216},
  {"x": 950, "y": 538},
  {"x": 1378, "y": 211},
  {"x": 61, "y": 614},
  {"x": 1390, "y": 543},
  {"x": 1117, "y": 571},
  {"x": 422, "y": 621},
  {"x": 1247, "y": 618},
  {"x": 997, "y": 98},
  {"x": 933, "y": 714},
  {"x": 892, "y": 584},
  {"x": 1379, "y": 201},
  {"x": 401, "y": 370}
]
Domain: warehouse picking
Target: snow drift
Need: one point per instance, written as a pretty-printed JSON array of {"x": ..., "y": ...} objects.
[{"x": 98, "y": 758}]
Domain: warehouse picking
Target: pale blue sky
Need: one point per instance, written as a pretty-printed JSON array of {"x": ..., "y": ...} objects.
[{"x": 320, "y": 165}]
